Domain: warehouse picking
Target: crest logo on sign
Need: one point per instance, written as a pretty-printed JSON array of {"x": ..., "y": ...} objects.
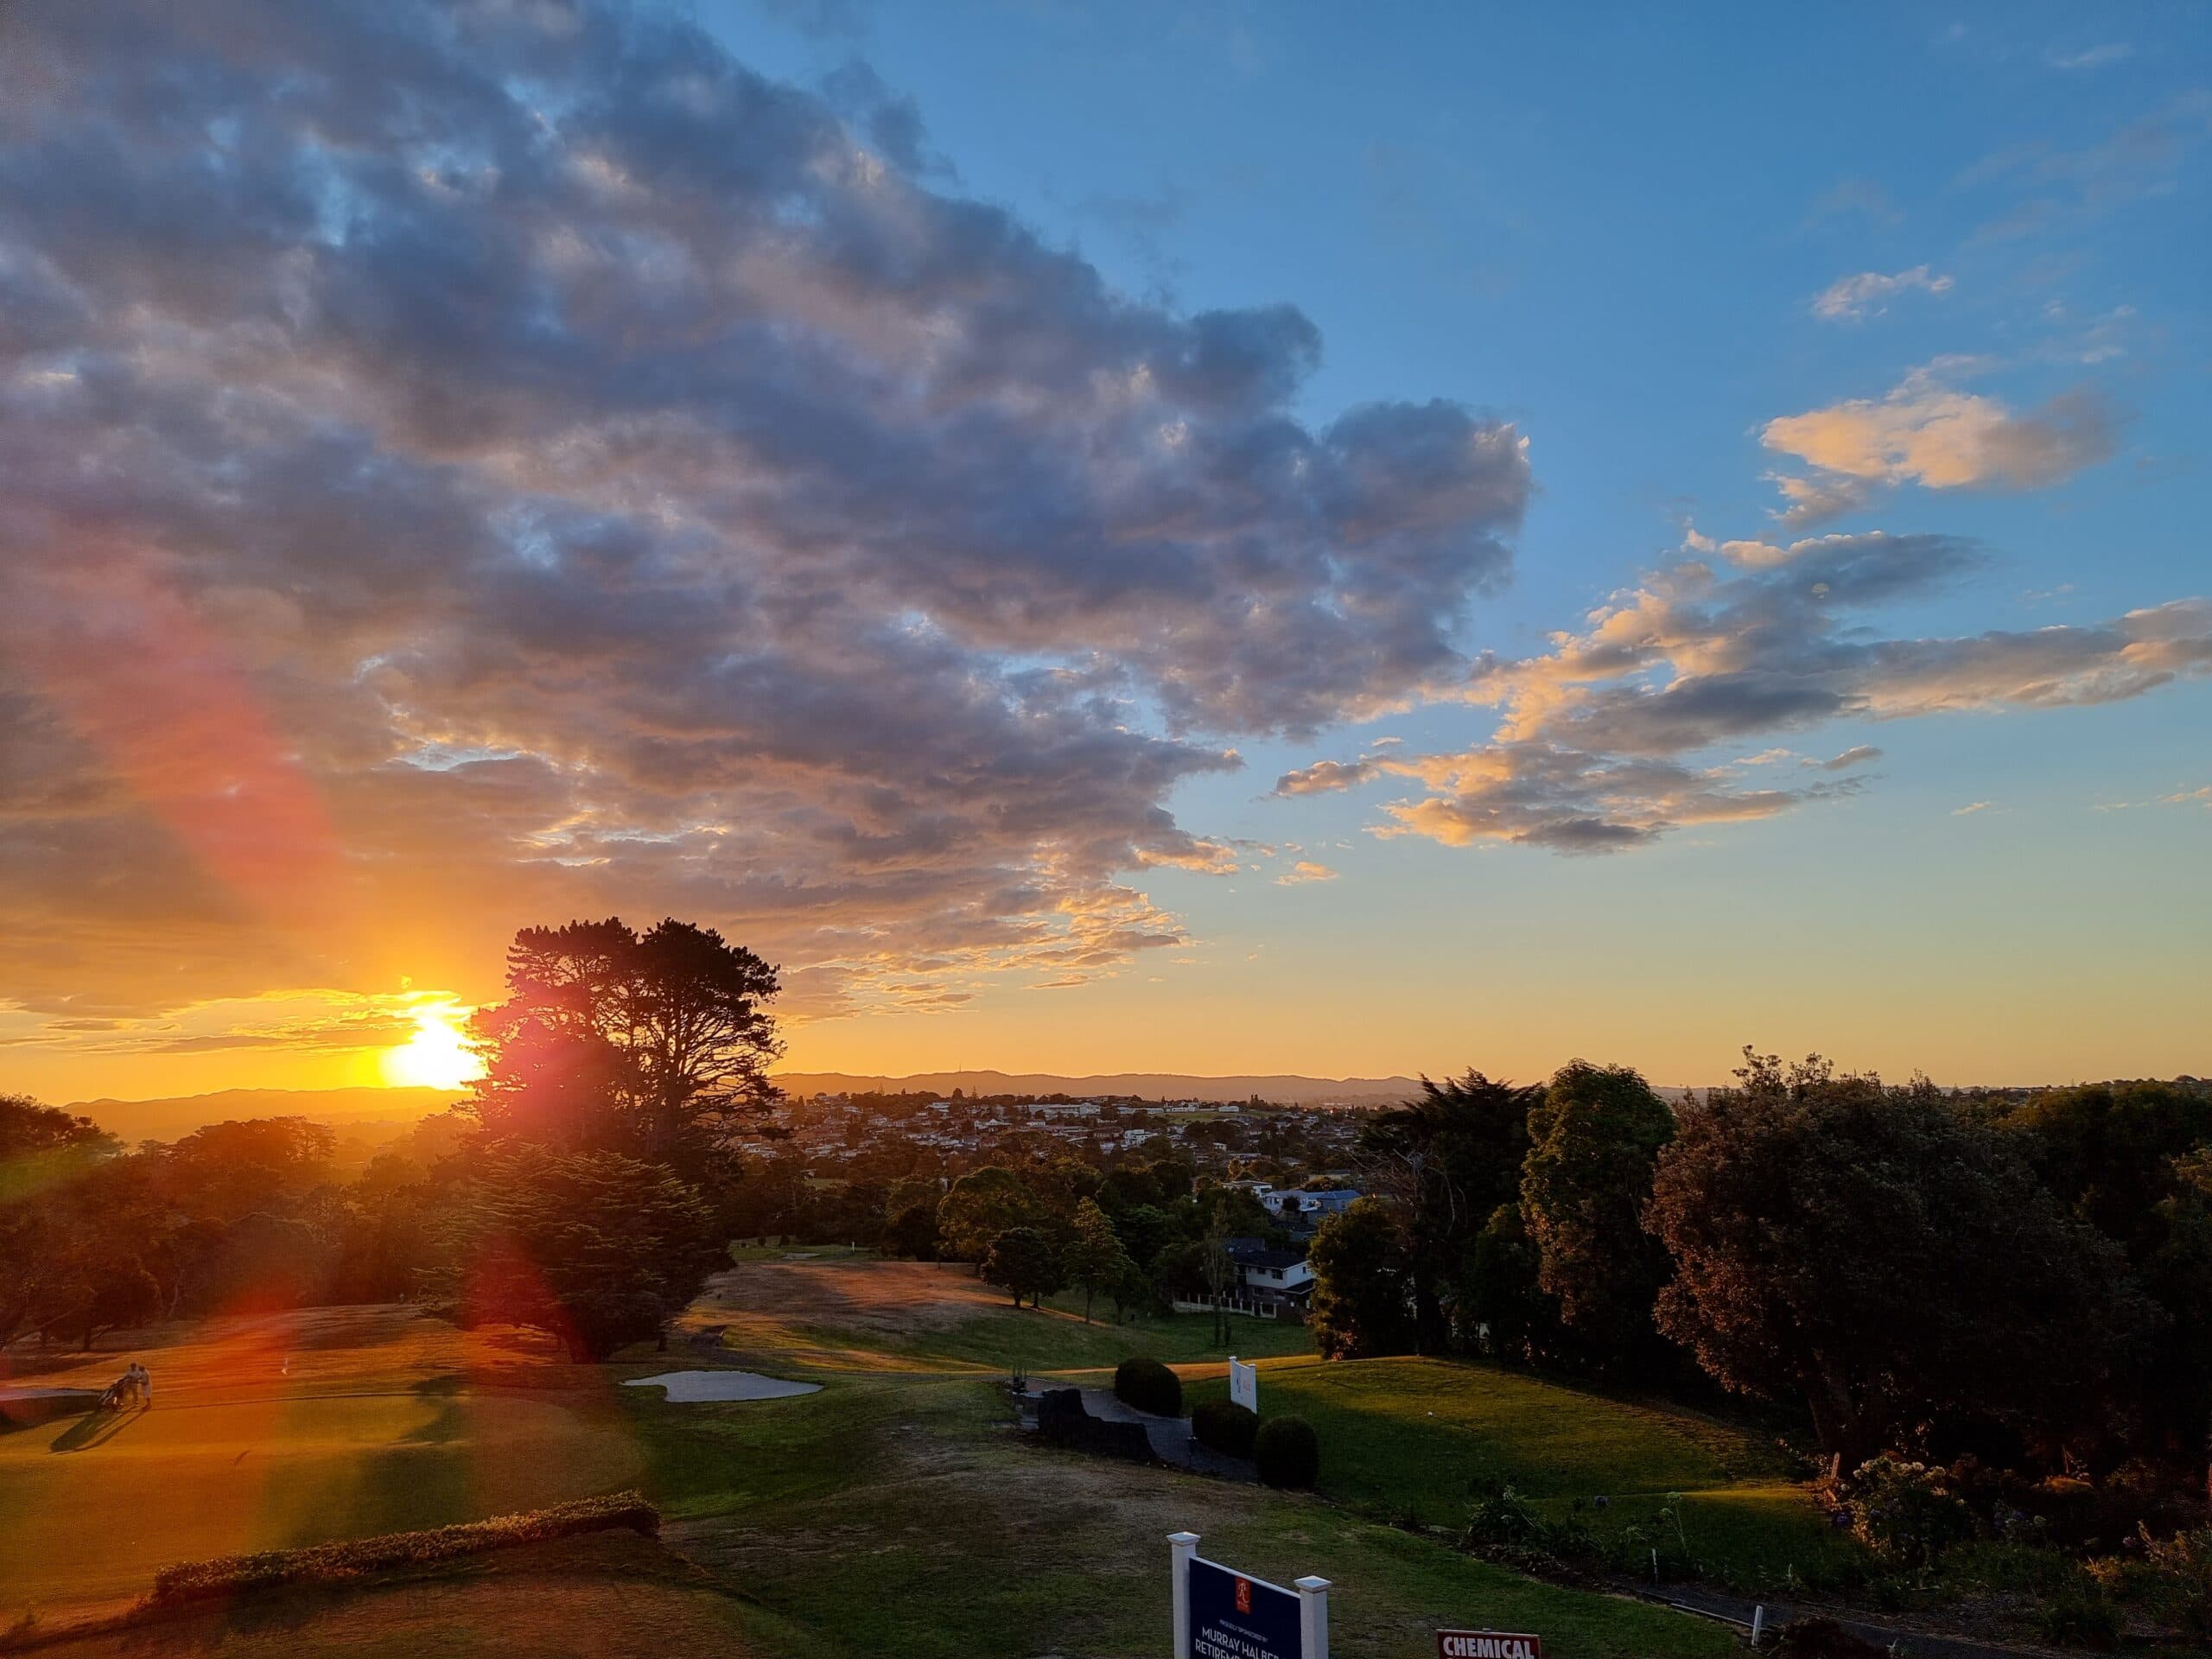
[{"x": 1244, "y": 1595}]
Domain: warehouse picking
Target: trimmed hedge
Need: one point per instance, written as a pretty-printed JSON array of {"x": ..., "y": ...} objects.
[
  {"x": 1286, "y": 1452},
  {"x": 357, "y": 1558},
  {"x": 1226, "y": 1426},
  {"x": 1144, "y": 1382}
]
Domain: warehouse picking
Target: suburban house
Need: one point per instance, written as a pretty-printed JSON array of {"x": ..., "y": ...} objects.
[
  {"x": 1302, "y": 1210},
  {"x": 1270, "y": 1282}
]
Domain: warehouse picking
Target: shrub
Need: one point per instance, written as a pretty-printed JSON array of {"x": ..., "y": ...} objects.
[
  {"x": 356, "y": 1558},
  {"x": 2178, "y": 1573},
  {"x": 1144, "y": 1382},
  {"x": 1226, "y": 1426},
  {"x": 1501, "y": 1517},
  {"x": 1286, "y": 1452},
  {"x": 1907, "y": 1513}
]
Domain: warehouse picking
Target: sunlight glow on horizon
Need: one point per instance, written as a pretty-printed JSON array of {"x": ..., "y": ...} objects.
[{"x": 438, "y": 1055}]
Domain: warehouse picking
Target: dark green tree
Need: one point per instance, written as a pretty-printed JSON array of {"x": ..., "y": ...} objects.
[
  {"x": 1868, "y": 1251},
  {"x": 1362, "y": 1284},
  {"x": 1506, "y": 1309},
  {"x": 1024, "y": 1261},
  {"x": 1594, "y": 1141},
  {"x": 1095, "y": 1260},
  {"x": 601, "y": 1250},
  {"x": 981, "y": 1204},
  {"x": 1446, "y": 1159}
]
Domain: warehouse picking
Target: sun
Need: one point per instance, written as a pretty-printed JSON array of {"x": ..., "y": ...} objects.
[{"x": 437, "y": 1056}]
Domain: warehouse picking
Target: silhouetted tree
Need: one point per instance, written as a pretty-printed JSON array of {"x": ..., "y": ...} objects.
[
  {"x": 655, "y": 1044},
  {"x": 1448, "y": 1158}
]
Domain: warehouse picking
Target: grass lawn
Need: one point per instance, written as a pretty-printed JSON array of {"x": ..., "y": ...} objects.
[
  {"x": 1407, "y": 1438},
  {"x": 845, "y": 1512},
  {"x": 296, "y": 1429},
  {"x": 898, "y": 1510},
  {"x": 1055, "y": 1338},
  {"x": 831, "y": 1311}
]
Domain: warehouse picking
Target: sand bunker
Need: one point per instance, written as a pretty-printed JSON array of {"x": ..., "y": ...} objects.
[{"x": 690, "y": 1387}]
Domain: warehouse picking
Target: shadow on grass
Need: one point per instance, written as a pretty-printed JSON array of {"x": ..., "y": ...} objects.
[{"x": 94, "y": 1429}]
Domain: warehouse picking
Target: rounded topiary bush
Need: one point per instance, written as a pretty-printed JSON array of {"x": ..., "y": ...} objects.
[
  {"x": 1286, "y": 1452},
  {"x": 1226, "y": 1426},
  {"x": 1144, "y": 1382}
]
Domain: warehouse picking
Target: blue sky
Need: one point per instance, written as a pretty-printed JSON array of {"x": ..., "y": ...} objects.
[
  {"x": 1232, "y": 538},
  {"x": 1611, "y": 226}
]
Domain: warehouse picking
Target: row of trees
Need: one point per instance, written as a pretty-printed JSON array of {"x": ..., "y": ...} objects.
[
  {"x": 2028, "y": 1277},
  {"x": 1140, "y": 1236}
]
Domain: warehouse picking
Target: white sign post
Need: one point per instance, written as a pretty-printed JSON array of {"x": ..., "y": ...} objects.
[
  {"x": 1181, "y": 1546},
  {"x": 1244, "y": 1384}
]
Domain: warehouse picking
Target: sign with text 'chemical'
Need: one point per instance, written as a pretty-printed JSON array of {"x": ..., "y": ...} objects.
[
  {"x": 1234, "y": 1616},
  {"x": 1488, "y": 1645}
]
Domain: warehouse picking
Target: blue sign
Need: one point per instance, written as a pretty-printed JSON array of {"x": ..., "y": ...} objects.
[{"x": 1234, "y": 1617}]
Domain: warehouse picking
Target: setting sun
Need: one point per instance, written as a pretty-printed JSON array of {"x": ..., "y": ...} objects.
[{"x": 437, "y": 1056}]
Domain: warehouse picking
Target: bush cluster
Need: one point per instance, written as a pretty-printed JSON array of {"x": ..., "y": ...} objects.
[
  {"x": 1226, "y": 1426},
  {"x": 356, "y": 1558},
  {"x": 1143, "y": 1382},
  {"x": 1286, "y": 1452},
  {"x": 1907, "y": 1513}
]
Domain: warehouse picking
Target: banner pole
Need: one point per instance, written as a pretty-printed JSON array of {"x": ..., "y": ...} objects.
[
  {"x": 1181, "y": 1547},
  {"x": 1313, "y": 1617}
]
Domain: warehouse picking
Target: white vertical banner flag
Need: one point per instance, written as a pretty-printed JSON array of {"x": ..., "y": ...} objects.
[{"x": 1244, "y": 1384}]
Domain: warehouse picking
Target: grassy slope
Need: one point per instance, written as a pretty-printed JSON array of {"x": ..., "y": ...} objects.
[
  {"x": 845, "y": 1512},
  {"x": 1407, "y": 1438}
]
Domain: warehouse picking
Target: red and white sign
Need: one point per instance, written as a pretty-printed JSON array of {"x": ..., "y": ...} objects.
[{"x": 1487, "y": 1644}]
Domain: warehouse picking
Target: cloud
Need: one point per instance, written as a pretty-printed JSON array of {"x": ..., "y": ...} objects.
[
  {"x": 1970, "y": 809},
  {"x": 1934, "y": 436},
  {"x": 1304, "y": 871},
  {"x": 1851, "y": 299},
  {"x": 474, "y": 466},
  {"x": 1323, "y": 777},
  {"x": 1603, "y": 742},
  {"x": 1858, "y": 755},
  {"x": 2092, "y": 57}
]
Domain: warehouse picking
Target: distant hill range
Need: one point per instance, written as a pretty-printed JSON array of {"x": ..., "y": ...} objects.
[
  {"x": 375, "y": 1112},
  {"x": 1150, "y": 1085}
]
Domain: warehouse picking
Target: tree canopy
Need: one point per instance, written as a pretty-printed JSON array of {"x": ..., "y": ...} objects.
[
  {"x": 654, "y": 1045},
  {"x": 1868, "y": 1251}
]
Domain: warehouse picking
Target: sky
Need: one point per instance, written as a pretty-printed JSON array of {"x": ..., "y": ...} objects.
[{"x": 1206, "y": 538}]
